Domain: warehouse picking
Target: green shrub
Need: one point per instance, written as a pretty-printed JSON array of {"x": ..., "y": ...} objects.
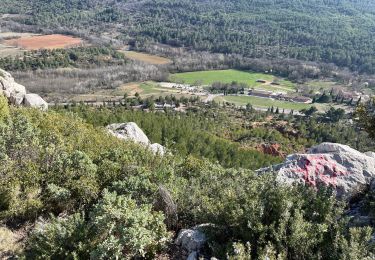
[
  {"x": 117, "y": 228},
  {"x": 4, "y": 108},
  {"x": 60, "y": 238},
  {"x": 125, "y": 227},
  {"x": 76, "y": 173}
]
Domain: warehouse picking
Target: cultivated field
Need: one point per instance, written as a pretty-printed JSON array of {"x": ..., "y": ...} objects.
[
  {"x": 147, "y": 58},
  {"x": 7, "y": 50},
  {"x": 53, "y": 41},
  {"x": 228, "y": 76}
]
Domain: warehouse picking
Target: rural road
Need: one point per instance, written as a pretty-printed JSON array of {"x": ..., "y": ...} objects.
[{"x": 211, "y": 97}]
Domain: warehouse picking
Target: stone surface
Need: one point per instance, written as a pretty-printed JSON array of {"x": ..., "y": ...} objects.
[
  {"x": 158, "y": 149},
  {"x": 129, "y": 131},
  {"x": 34, "y": 100},
  {"x": 191, "y": 239},
  {"x": 12, "y": 90},
  {"x": 16, "y": 93},
  {"x": 330, "y": 164},
  {"x": 193, "y": 256}
]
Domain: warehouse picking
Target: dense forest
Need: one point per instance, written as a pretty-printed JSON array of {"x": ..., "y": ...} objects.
[
  {"x": 331, "y": 31},
  {"x": 226, "y": 135}
]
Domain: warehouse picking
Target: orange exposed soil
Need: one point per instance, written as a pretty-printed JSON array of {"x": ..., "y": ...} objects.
[
  {"x": 271, "y": 149},
  {"x": 147, "y": 58},
  {"x": 53, "y": 41}
]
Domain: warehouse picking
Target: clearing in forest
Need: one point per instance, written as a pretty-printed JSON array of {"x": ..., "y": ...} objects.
[
  {"x": 52, "y": 41},
  {"x": 147, "y": 58},
  {"x": 228, "y": 76}
]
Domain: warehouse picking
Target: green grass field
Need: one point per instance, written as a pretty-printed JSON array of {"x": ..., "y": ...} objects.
[
  {"x": 263, "y": 102},
  {"x": 227, "y": 76}
]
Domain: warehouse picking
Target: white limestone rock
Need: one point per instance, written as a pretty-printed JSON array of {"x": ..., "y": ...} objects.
[
  {"x": 35, "y": 101},
  {"x": 16, "y": 93},
  {"x": 11, "y": 89},
  {"x": 330, "y": 164},
  {"x": 158, "y": 149},
  {"x": 129, "y": 131}
]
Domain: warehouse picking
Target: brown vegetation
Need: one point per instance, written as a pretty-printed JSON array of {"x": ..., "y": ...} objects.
[
  {"x": 147, "y": 58},
  {"x": 53, "y": 41}
]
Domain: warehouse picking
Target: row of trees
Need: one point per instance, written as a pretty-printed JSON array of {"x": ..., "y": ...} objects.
[
  {"x": 338, "y": 99},
  {"x": 81, "y": 57},
  {"x": 228, "y": 88}
]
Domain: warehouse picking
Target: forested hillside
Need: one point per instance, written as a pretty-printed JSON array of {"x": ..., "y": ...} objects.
[
  {"x": 226, "y": 135},
  {"x": 330, "y": 31}
]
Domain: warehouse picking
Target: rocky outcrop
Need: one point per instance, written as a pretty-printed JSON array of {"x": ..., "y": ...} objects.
[
  {"x": 345, "y": 169},
  {"x": 11, "y": 89},
  {"x": 131, "y": 131},
  {"x": 34, "y": 100},
  {"x": 158, "y": 149},
  {"x": 192, "y": 240},
  {"x": 16, "y": 93}
]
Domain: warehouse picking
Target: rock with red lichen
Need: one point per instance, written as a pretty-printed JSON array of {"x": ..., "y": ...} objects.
[{"x": 339, "y": 166}]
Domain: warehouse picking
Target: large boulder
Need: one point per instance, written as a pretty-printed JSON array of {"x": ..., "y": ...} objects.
[
  {"x": 330, "y": 164},
  {"x": 12, "y": 90},
  {"x": 129, "y": 131},
  {"x": 192, "y": 240},
  {"x": 34, "y": 100},
  {"x": 16, "y": 93}
]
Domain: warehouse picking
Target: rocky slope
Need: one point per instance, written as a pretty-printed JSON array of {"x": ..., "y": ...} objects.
[
  {"x": 131, "y": 131},
  {"x": 347, "y": 170},
  {"x": 17, "y": 94}
]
